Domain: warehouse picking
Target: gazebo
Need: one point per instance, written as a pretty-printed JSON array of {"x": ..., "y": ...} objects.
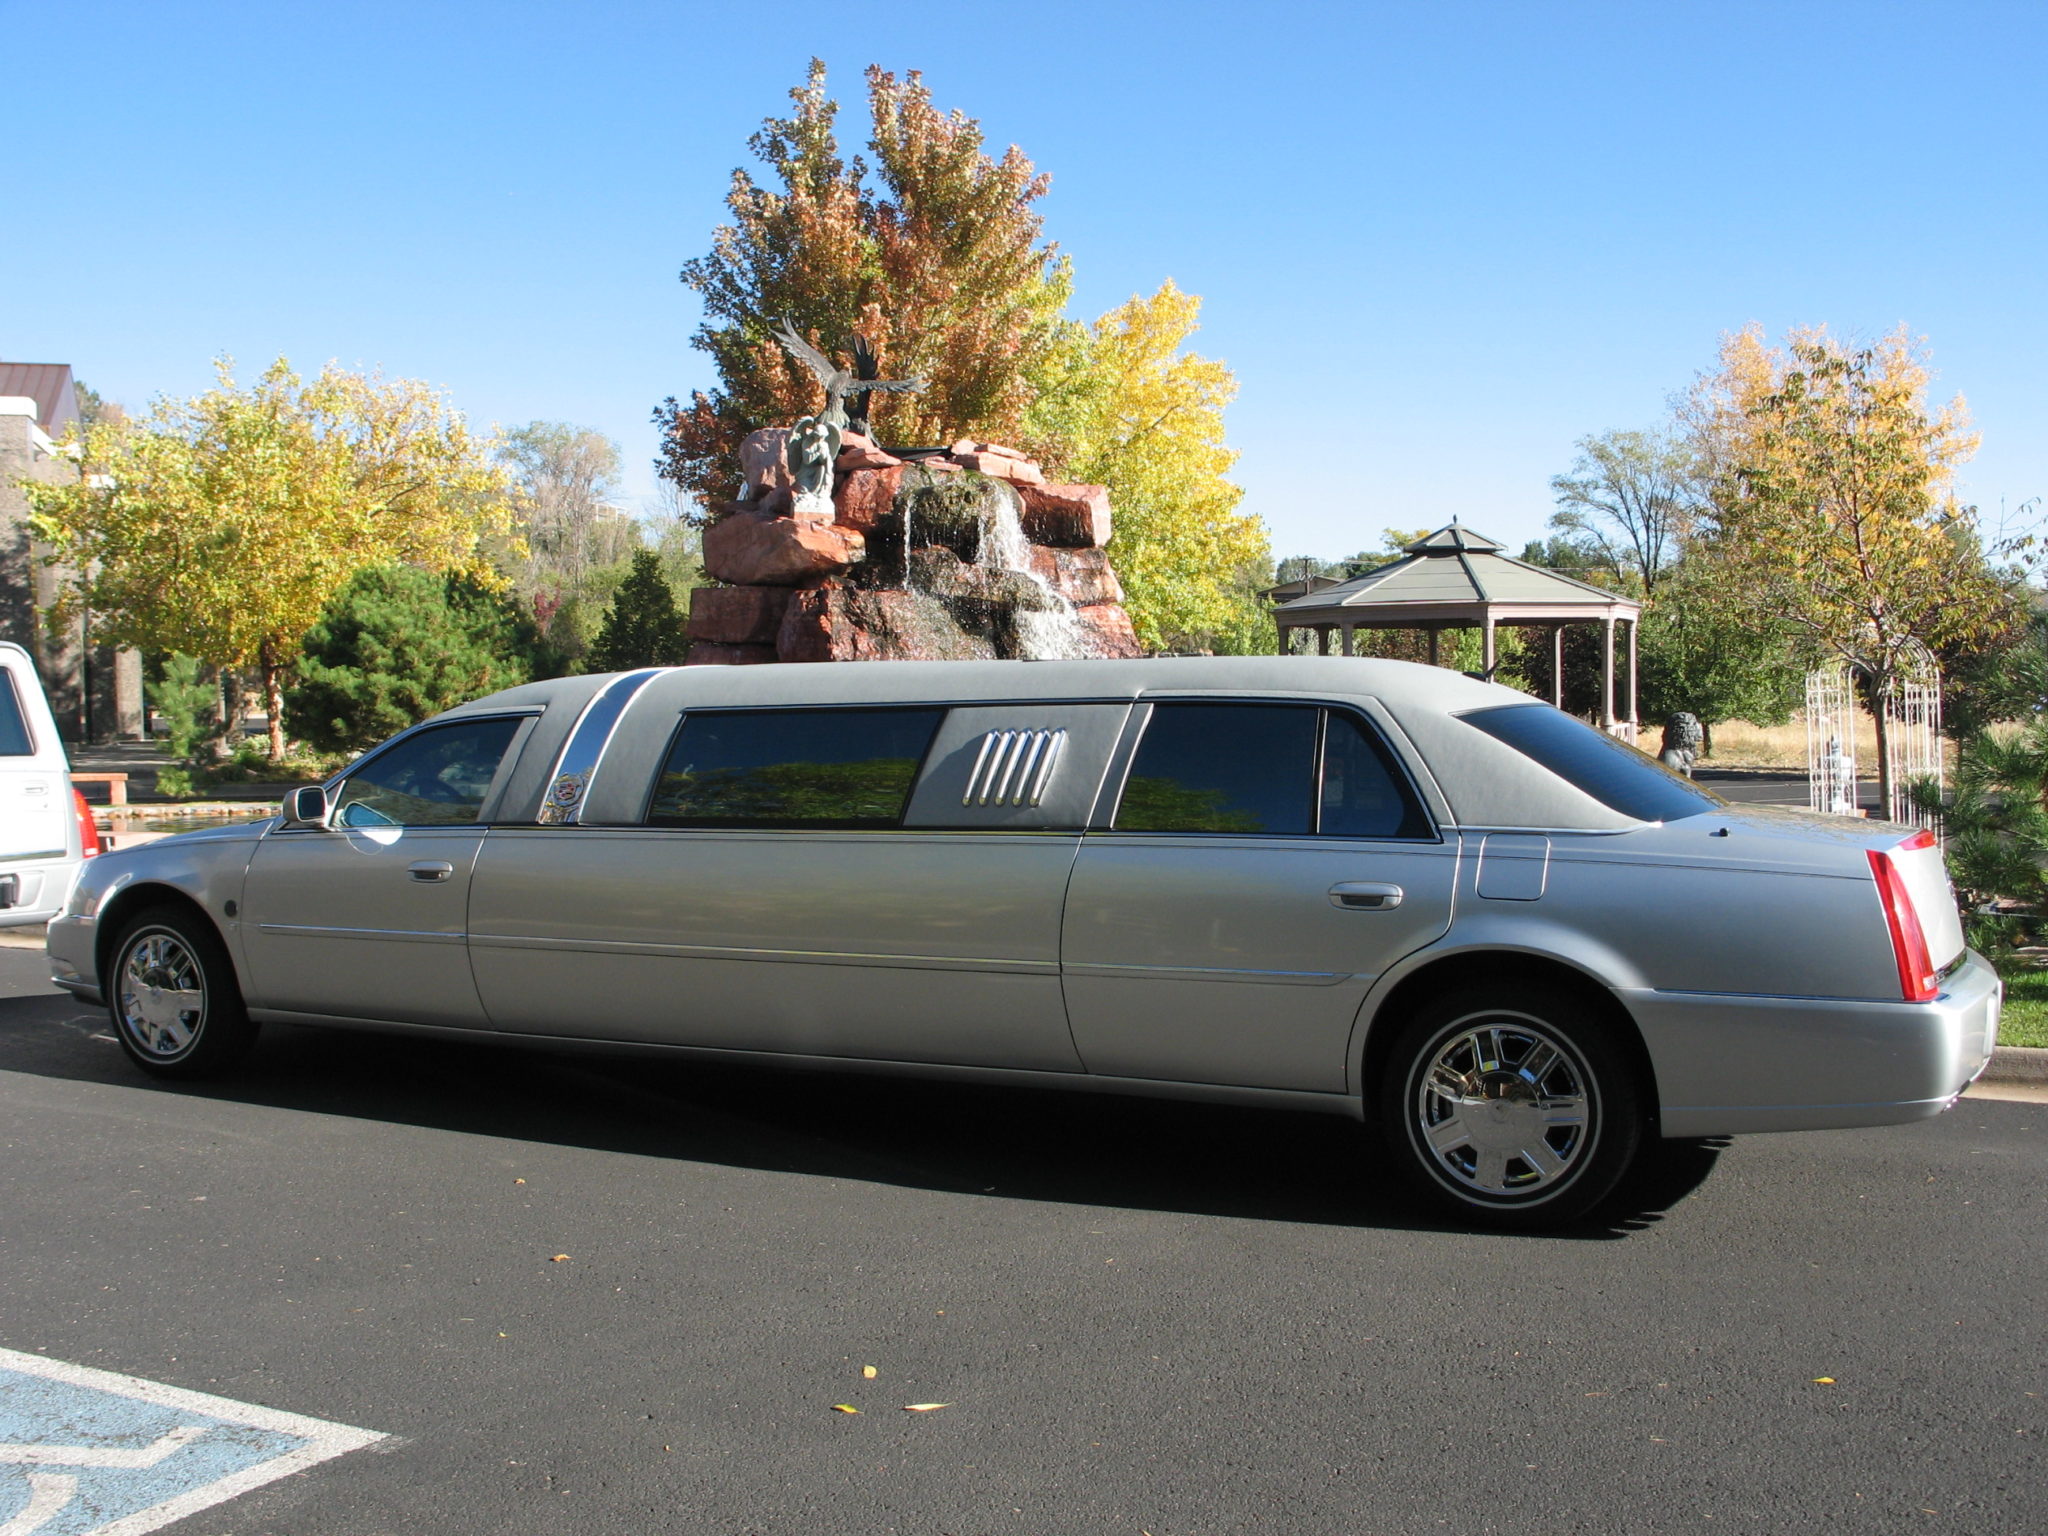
[{"x": 1457, "y": 579}]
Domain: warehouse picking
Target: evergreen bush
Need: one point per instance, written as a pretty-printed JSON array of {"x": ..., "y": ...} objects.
[{"x": 399, "y": 644}]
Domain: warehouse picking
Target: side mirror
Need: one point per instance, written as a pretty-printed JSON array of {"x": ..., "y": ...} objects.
[{"x": 306, "y": 806}]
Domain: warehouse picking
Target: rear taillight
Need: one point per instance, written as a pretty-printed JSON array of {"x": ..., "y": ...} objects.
[
  {"x": 88, "y": 829},
  {"x": 1918, "y": 982}
]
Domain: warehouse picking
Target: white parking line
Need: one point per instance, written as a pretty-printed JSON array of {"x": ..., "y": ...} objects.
[{"x": 138, "y": 1454}]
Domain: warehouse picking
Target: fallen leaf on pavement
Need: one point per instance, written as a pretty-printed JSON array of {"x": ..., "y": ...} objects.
[
  {"x": 559, "y": 1258},
  {"x": 924, "y": 1407},
  {"x": 844, "y": 1408},
  {"x": 868, "y": 1371},
  {"x": 1823, "y": 1381}
]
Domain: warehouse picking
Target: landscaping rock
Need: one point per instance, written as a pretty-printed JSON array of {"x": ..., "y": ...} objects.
[
  {"x": 856, "y": 452},
  {"x": 1002, "y": 467},
  {"x": 1109, "y": 633},
  {"x": 708, "y": 653},
  {"x": 1072, "y": 516},
  {"x": 751, "y": 549},
  {"x": 864, "y": 496},
  {"x": 1081, "y": 576},
  {"x": 764, "y": 459},
  {"x": 737, "y": 615}
]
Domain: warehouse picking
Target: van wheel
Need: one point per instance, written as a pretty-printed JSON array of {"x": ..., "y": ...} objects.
[
  {"x": 176, "y": 1006},
  {"x": 1513, "y": 1109}
]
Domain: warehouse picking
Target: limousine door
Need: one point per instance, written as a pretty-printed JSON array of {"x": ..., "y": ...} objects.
[
  {"x": 364, "y": 918},
  {"x": 1267, "y": 862},
  {"x": 785, "y": 890}
]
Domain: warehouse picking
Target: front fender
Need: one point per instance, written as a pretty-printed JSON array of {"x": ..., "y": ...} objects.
[{"x": 203, "y": 869}]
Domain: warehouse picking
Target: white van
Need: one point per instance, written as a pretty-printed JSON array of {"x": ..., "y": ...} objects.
[{"x": 46, "y": 831}]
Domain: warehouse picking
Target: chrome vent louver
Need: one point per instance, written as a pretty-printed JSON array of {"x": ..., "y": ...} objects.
[{"x": 1013, "y": 767}]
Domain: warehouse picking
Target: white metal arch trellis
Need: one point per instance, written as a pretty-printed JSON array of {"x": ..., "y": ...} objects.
[
  {"x": 1912, "y": 714},
  {"x": 1831, "y": 739}
]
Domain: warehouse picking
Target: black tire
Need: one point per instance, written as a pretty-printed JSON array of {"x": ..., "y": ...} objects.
[
  {"x": 1513, "y": 1107},
  {"x": 173, "y": 998}
]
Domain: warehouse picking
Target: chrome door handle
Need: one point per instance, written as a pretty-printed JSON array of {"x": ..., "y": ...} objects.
[
  {"x": 430, "y": 869},
  {"x": 1365, "y": 896}
]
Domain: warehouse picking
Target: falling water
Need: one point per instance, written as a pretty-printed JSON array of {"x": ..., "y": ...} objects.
[{"x": 1051, "y": 632}]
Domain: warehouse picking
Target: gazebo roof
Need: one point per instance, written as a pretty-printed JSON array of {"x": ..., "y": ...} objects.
[{"x": 1455, "y": 576}]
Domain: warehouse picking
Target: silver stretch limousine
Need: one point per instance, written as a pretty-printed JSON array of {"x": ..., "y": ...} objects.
[{"x": 1517, "y": 947}]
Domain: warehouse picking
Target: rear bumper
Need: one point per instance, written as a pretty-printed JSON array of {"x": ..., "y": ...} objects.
[
  {"x": 40, "y": 889},
  {"x": 1727, "y": 1064}
]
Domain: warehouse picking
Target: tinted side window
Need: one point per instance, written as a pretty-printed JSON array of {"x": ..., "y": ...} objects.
[
  {"x": 435, "y": 779},
  {"x": 793, "y": 768},
  {"x": 1364, "y": 792},
  {"x": 1611, "y": 771},
  {"x": 14, "y": 737},
  {"x": 1223, "y": 768}
]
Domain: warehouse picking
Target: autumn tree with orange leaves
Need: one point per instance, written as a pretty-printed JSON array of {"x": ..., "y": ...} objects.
[{"x": 934, "y": 254}]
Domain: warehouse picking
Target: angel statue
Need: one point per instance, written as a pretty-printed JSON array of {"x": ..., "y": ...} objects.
[{"x": 814, "y": 441}]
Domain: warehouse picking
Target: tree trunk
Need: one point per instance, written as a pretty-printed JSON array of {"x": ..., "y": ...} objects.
[
  {"x": 273, "y": 700},
  {"x": 1884, "y": 757}
]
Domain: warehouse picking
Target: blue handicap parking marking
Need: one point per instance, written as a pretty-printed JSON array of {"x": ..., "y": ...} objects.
[{"x": 85, "y": 1452}]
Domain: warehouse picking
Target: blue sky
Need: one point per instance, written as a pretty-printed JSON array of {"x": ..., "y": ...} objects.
[{"x": 1437, "y": 242}]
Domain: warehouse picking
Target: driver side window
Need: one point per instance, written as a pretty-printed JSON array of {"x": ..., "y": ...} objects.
[{"x": 436, "y": 779}]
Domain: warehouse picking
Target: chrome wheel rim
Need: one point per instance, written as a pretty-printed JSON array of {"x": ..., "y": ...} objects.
[
  {"x": 1504, "y": 1109},
  {"x": 163, "y": 995}
]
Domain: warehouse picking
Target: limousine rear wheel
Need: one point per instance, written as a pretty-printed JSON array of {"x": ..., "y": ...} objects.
[
  {"x": 176, "y": 1007},
  {"x": 1512, "y": 1106}
]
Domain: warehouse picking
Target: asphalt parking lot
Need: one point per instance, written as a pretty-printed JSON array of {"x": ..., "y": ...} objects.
[{"x": 598, "y": 1295}]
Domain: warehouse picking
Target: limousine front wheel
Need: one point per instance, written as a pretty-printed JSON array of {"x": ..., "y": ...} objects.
[
  {"x": 1512, "y": 1107},
  {"x": 176, "y": 1007}
]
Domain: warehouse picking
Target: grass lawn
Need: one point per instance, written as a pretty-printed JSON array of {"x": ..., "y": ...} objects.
[{"x": 2025, "y": 1020}]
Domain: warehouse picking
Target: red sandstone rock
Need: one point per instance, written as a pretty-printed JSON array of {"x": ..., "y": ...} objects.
[
  {"x": 968, "y": 445},
  {"x": 1108, "y": 630},
  {"x": 821, "y": 625},
  {"x": 863, "y": 496},
  {"x": 1002, "y": 467},
  {"x": 749, "y": 549},
  {"x": 708, "y": 653},
  {"x": 1071, "y": 516},
  {"x": 737, "y": 615},
  {"x": 1081, "y": 576},
  {"x": 764, "y": 459},
  {"x": 856, "y": 452}
]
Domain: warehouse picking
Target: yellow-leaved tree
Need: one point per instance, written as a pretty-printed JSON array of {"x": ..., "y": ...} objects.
[
  {"x": 1832, "y": 505},
  {"x": 220, "y": 526},
  {"x": 1129, "y": 409}
]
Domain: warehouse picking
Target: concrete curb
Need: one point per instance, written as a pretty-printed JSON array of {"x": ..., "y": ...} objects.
[{"x": 2017, "y": 1064}]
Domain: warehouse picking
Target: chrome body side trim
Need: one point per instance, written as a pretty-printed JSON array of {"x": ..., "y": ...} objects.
[
  {"x": 770, "y": 956},
  {"x": 1193, "y": 973},
  {"x": 387, "y": 935}
]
